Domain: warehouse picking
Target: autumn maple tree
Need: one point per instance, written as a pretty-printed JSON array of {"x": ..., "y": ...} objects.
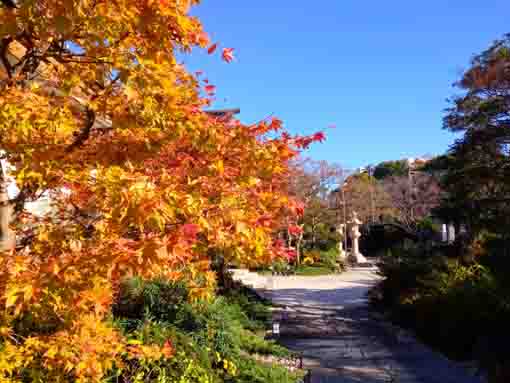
[{"x": 97, "y": 114}]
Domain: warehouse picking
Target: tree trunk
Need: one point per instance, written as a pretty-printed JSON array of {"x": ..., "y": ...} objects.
[
  {"x": 224, "y": 280},
  {"x": 298, "y": 247},
  {"x": 6, "y": 237}
]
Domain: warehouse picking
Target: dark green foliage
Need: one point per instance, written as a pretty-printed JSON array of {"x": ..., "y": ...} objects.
[
  {"x": 320, "y": 262},
  {"x": 463, "y": 310},
  {"x": 391, "y": 169},
  {"x": 159, "y": 298},
  {"x": 329, "y": 258},
  {"x": 476, "y": 171},
  {"x": 281, "y": 267},
  {"x": 254, "y": 344},
  {"x": 252, "y": 311},
  {"x": 457, "y": 298},
  {"x": 329, "y": 241},
  {"x": 497, "y": 257},
  {"x": 214, "y": 325},
  {"x": 188, "y": 352},
  {"x": 205, "y": 335}
]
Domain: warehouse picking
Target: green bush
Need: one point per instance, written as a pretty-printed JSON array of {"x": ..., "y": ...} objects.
[
  {"x": 212, "y": 339},
  {"x": 254, "y": 344},
  {"x": 177, "y": 369},
  {"x": 320, "y": 262},
  {"x": 160, "y": 298},
  {"x": 311, "y": 257},
  {"x": 329, "y": 258},
  {"x": 252, "y": 311},
  {"x": 281, "y": 267},
  {"x": 214, "y": 326},
  {"x": 454, "y": 307},
  {"x": 428, "y": 225}
]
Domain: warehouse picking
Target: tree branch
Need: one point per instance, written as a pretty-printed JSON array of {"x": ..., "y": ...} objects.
[
  {"x": 9, "y": 4},
  {"x": 84, "y": 134},
  {"x": 4, "y": 45},
  {"x": 18, "y": 202}
]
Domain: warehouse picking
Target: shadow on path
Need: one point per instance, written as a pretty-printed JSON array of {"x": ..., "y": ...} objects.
[{"x": 342, "y": 341}]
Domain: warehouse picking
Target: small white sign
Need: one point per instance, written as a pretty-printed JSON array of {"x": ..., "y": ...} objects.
[{"x": 276, "y": 328}]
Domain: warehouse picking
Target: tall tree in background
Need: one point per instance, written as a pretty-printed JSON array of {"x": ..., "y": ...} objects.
[
  {"x": 366, "y": 196},
  {"x": 477, "y": 176},
  {"x": 385, "y": 169},
  {"x": 312, "y": 183},
  {"x": 413, "y": 198}
]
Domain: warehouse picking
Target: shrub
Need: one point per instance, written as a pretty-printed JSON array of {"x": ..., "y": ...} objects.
[
  {"x": 311, "y": 257},
  {"x": 323, "y": 259},
  {"x": 281, "y": 267},
  {"x": 329, "y": 258},
  {"x": 462, "y": 310},
  {"x": 254, "y": 344},
  {"x": 210, "y": 339},
  {"x": 160, "y": 298},
  {"x": 214, "y": 326},
  {"x": 253, "y": 311},
  {"x": 190, "y": 363}
]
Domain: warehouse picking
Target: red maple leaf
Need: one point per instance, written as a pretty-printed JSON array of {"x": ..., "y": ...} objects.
[
  {"x": 319, "y": 136},
  {"x": 294, "y": 230},
  {"x": 210, "y": 89},
  {"x": 290, "y": 254},
  {"x": 228, "y": 54},
  {"x": 168, "y": 349},
  {"x": 190, "y": 231},
  {"x": 212, "y": 48}
]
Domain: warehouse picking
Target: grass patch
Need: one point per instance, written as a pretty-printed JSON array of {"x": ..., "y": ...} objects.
[
  {"x": 313, "y": 270},
  {"x": 254, "y": 344},
  {"x": 314, "y": 262},
  {"x": 254, "y": 372}
]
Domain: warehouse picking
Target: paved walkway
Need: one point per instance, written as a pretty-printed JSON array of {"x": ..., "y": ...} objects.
[{"x": 328, "y": 320}]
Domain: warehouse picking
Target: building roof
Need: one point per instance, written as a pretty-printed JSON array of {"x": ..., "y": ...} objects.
[{"x": 223, "y": 113}]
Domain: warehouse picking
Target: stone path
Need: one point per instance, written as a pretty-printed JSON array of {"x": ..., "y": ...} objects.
[{"x": 342, "y": 341}]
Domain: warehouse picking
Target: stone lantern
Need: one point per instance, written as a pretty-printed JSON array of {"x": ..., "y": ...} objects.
[{"x": 355, "y": 234}]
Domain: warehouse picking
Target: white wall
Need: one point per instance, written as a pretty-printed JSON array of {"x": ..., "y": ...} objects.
[{"x": 39, "y": 207}]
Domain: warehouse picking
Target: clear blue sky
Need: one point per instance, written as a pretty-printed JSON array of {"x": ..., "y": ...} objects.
[{"x": 379, "y": 70}]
